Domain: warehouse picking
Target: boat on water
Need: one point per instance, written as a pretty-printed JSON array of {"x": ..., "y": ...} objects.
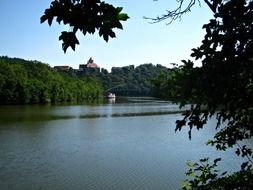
[{"x": 111, "y": 96}]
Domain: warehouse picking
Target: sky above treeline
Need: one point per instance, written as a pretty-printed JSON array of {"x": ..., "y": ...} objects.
[{"x": 140, "y": 42}]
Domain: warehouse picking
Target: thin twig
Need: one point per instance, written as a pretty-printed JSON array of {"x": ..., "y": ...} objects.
[{"x": 175, "y": 14}]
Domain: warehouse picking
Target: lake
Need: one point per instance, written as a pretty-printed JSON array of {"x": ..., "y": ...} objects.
[{"x": 127, "y": 144}]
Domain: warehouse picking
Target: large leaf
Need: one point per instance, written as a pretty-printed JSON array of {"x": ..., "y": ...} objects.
[{"x": 86, "y": 17}]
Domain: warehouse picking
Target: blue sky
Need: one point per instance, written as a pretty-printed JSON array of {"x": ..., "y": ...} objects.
[{"x": 140, "y": 42}]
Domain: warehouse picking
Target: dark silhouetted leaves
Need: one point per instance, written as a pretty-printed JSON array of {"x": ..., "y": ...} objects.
[
  {"x": 87, "y": 16},
  {"x": 69, "y": 40}
]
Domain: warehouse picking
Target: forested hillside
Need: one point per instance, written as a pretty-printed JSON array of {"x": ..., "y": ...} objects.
[
  {"x": 131, "y": 81},
  {"x": 25, "y": 82}
]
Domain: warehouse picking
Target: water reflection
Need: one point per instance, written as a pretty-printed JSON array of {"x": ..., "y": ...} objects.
[
  {"x": 122, "y": 107},
  {"x": 111, "y": 100},
  {"x": 97, "y": 146}
]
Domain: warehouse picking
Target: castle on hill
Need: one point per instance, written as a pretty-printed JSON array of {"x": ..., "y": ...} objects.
[
  {"x": 91, "y": 66},
  {"x": 88, "y": 68}
]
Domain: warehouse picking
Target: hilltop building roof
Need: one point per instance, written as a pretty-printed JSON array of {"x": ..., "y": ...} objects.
[
  {"x": 90, "y": 67},
  {"x": 91, "y": 63}
]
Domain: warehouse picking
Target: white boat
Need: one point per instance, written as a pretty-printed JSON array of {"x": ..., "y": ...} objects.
[{"x": 111, "y": 96}]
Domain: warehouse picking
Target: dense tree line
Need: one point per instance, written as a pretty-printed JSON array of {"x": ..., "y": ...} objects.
[
  {"x": 131, "y": 81},
  {"x": 25, "y": 82}
]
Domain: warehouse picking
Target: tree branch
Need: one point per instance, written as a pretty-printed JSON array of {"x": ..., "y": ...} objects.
[
  {"x": 175, "y": 14},
  {"x": 181, "y": 10}
]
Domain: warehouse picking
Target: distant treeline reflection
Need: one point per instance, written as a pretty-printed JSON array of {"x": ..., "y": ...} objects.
[{"x": 34, "y": 118}]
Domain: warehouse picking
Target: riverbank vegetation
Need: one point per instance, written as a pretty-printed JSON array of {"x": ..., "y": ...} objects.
[
  {"x": 127, "y": 80},
  {"x": 30, "y": 82},
  {"x": 130, "y": 80}
]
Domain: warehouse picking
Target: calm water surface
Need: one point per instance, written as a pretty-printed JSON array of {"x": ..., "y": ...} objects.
[{"x": 129, "y": 144}]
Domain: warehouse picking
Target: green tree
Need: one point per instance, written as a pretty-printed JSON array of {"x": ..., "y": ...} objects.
[
  {"x": 26, "y": 82},
  {"x": 130, "y": 81}
]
